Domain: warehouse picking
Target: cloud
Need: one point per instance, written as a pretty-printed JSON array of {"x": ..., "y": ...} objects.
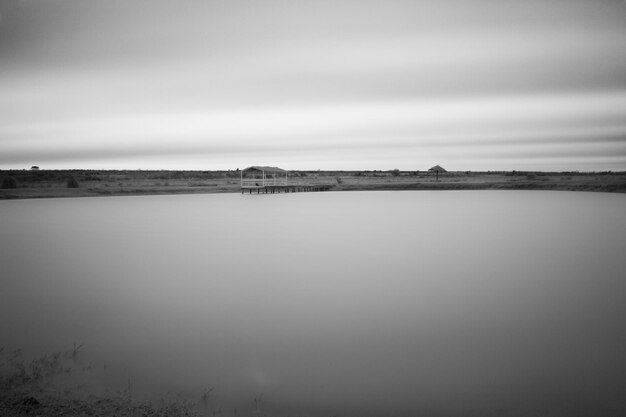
[
  {"x": 532, "y": 126},
  {"x": 121, "y": 80}
]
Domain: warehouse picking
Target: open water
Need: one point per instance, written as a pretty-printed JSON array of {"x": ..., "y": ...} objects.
[{"x": 347, "y": 303}]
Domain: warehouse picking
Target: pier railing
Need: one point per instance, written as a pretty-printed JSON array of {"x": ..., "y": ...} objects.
[
  {"x": 262, "y": 182},
  {"x": 276, "y": 184}
]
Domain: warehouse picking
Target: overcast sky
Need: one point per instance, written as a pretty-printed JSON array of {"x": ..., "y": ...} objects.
[{"x": 186, "y": 84}]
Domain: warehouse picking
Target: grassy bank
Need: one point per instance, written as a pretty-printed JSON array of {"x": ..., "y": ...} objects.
[
  {"x": 52, "y": 386},
  {"x": 68, "y": 384},
  {"x": 83, "y": 183}
]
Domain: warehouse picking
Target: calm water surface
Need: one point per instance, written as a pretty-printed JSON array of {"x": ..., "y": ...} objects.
[{"x": 361, "y": 303}]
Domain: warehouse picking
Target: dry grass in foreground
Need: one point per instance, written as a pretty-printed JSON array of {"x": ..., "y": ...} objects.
[{"x": 31, "y": 388}]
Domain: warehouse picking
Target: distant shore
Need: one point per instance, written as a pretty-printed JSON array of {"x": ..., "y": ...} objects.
[{"x": 19, "y": 184}]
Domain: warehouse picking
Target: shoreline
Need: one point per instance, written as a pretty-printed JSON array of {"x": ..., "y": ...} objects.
[{"x": 91, "y": 183}]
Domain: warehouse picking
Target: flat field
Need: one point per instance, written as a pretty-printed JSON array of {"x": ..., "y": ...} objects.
[{"x": 55, "y": 183}]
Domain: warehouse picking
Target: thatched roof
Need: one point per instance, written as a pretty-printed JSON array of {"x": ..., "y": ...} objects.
[
  {"x": 437, "y": 168},
  {"x": 274, "y": 170}
]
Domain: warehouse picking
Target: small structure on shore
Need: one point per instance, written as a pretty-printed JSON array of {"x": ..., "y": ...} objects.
[
  {"x": 437, "y": 169},
  {"x": 258, "y": 176},
  {"x": 271, "y": 180}
]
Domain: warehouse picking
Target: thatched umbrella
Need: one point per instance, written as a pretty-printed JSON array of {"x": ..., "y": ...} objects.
[{"x": 437, "y": 169}]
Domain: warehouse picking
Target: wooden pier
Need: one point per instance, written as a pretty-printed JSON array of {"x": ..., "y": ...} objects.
[
  {"x": 272, "y": 180},
  {"x": 276, "y": 189}
]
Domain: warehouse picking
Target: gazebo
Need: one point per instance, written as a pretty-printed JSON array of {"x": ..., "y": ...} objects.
[
  {"x": 437, "y": 169},
  {"x": 263, "y": 176}
]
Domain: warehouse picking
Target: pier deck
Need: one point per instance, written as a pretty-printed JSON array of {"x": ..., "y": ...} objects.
[{"x": 284, "y": 188}]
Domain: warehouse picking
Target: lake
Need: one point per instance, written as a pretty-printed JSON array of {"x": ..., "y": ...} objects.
[{"x": 347, "y": 303}]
